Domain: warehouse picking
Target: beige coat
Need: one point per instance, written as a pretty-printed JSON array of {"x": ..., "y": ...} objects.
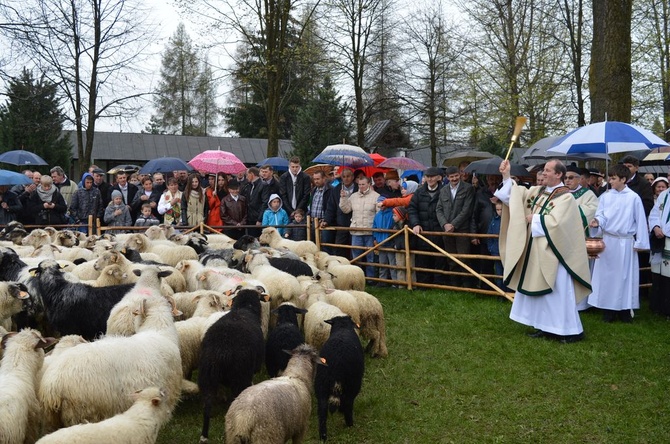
[{"x": 363, "y": 208}]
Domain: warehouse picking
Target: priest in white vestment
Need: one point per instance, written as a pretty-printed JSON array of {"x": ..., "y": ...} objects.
[
  {"x": 544, "y": 253},
  {"x": 659, "y": 226}
]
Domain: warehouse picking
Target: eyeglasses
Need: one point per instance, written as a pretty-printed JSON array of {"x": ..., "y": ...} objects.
[{"x": 571, "y": 177}]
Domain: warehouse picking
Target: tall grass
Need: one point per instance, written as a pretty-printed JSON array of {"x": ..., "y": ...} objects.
[{"x": 459, "y": 371}]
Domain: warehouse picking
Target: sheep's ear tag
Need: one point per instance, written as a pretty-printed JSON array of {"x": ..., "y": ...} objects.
[
  {"x": 202, "y": 277},
  {"x": 266, "y": 297},
  {"x": 23, "y": 294},
  {"x": 33, "y": 272},
  {"x": 123, "y": 250},
  {"x": 228, "y": 292},
  {"x": 323, "y": 361}
]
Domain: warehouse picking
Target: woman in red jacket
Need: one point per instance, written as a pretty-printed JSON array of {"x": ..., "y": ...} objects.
[{"x": 215, "y": 192}]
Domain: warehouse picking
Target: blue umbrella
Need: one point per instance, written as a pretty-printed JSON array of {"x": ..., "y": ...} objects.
[
  {"x": 21, "y": 157},
  {"x": 606, "y": 137},
  {"x": 277, "y": 163},
  {"x": 538, "y": 151},
  {"x": 165, "y": 165},
  {"x": 344, "y": 155},
  {"x": 11, "y": 178}
]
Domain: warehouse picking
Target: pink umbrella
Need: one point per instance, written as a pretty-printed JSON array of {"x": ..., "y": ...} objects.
[
  {"x": 217, "y": 161},
  {"x": 402, "y": 163}
]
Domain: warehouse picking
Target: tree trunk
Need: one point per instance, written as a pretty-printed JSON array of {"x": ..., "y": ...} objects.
[{"x": 610, "y": 80}]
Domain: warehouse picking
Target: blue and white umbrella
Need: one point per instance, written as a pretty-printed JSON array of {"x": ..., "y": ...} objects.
[
  {"x": 606, "y": 138},
  {"x": 344, "y": 155},
  {"x": 11, "y": 178}
]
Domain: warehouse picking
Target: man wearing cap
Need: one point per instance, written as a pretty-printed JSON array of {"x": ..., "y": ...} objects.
[
  {"x": 544, "y": 254},
  {"x": 393, "y": 184},
  {"x": 454, "y": 213},
  {"x": 422, "y": 211},
  {"x": 596, "y": 181},
  {"x": 104, "y": 188},
  {"x": 381, "y": 184}
]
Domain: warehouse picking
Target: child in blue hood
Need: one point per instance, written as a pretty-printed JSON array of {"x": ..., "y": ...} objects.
[{"x": 275, "y": 215}]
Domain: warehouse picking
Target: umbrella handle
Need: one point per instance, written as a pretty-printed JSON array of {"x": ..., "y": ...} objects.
[{"x": 520, "y": 122}]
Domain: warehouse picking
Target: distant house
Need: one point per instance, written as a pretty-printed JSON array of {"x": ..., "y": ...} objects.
[
  {"x": 385, "y": 137},
  {"x": 423, "y": 154},
  {"x": 111, "y": 149}
]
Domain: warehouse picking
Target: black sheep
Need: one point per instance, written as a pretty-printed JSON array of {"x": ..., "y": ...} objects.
[
  {"x": 293, "y": 267},
  {"x": 246, "y": 242},
  {"x": 75, "y": 308},
  {"x": 284, "y": 337},
  {"x": 12, "y": 270},
  {"x": 338, "y": 381},
  {"x": 232, "y": 351},
  {"x": 134, "y": 256}
]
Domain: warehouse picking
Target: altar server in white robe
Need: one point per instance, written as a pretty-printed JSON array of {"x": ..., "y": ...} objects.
[
  {"x": 621, "y": 219},
  {"x": 659, "y": 226}
]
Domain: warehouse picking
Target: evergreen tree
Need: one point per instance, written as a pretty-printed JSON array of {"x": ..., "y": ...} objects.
[
  {"x": 320, "y": 122},
  {"x": 32, "y": 120},
  {"x": 185, "y": 98}
]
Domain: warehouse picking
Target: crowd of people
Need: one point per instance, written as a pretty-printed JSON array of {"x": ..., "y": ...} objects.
[{"x": 561, "y": 207}]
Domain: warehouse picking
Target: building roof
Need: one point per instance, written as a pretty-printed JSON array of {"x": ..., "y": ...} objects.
[
  {"x": 141, "y": 147},
  {"x": 423, "y": 154}
]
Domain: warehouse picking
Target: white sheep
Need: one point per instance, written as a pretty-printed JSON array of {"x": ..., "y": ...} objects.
[
  {"x": 173, "y": 283},
  {"x": 12, "y": 296},
  {"x": 41, "y": 241},
  {"x": 64, "y": 343},
  {"x": 110, "y": 275},
  {"x": 170, "y": 254},
  {"x": 276, "y": 410},
  {"x": 188, "y": 268},
  {"x": 271, "y": 237},
  {"x": 281, "y": 286},
  {"x": 322, "y": 258},
  {"x": 316, "y": 329},
  {"x": 343, "y": 300},
  {"x": 88, "y": 383},
  {"x": 139, "y": 424},
  {"x": 372, "y": 325},
  {"x": 346, "y": 276},
  {"x": 219, "y": 279},
  {"x": 191, "y": 331},
  {"x": 22, "y": 359}
]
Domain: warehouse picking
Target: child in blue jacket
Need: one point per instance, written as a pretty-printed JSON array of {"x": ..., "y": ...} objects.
[
  {"x": 384, "y": 219},
  {"x": 275, "y": 215}
]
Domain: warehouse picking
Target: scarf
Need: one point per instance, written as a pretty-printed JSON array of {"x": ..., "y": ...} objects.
[
  {"x": 195, "y": 213},
  {"x": 45, "y": 195}
]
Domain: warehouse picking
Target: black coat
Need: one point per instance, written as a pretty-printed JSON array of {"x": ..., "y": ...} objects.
[
  {"x": 332, "y": 213},
  {"x": 422, "y": 209},
  {"x": 52, "y": 216},
  {"x": 303, "y": 186},
  {"x": 483, "y": 211},
  {"x": 253, "y": 192},
  {"x": 643, "y": 189}
]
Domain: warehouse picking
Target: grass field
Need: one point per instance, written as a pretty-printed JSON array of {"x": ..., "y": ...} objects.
[{"x": 459, "y": 371}]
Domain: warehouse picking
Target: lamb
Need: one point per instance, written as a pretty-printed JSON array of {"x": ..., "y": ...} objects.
[
  {"x": 373, "y": 325},
  {"x": 75, "y": 308},
  {"x": 285, "y": 336},
  {"x": 339, "y": 381},
  {"x": 191, "y": 331},
  {"x": 19, "y": 410},
  {"x": 139, "y": 424},
  {"x": 12, "y": 295},
  {"x": 194, "y": 240},
  {"x": 232, "y": 352},
  {"x": 276, "y": 410},
  {"x": 280, "y": 285},
  {"x": 343, "y": 300},
  {"x": 169, "y": 254},
  {"x": 110, "y": 275},
  {"x": 188, "y": 269},
  {"x": 316, "y": 328},
  {"x": 217, "y": 258},
  {"x": 64, "y": 343},
  {"x": 346, "y": 276},
  {"x": 40, "y": 238},
  {"x": 246, "y": 242},
  {"x": 294, "y": 267},
  {"x": 89, "y": 382},
  {"x": 270, "y": 236},
  {"x": 173, "y": 283},
  {"x": 121, "y": 317}
]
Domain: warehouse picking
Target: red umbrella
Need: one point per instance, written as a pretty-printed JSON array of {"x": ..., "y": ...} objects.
[
  {"x": 217, "y": 161},
  {"x": 377, "y": 158}
]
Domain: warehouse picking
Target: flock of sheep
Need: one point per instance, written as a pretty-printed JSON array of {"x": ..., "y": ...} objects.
[{"x": 136, "y": 314}]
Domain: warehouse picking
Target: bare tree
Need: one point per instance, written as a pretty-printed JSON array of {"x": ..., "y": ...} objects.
[
  {"x": 352, "y": 25},
  {"x": 89, "y": 48},
  {"x": 432, "y": 73},
  {"x": 265, "y": 27}
]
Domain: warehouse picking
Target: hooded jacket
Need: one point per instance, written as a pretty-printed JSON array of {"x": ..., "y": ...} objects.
[{"x": 275, "y": 217}]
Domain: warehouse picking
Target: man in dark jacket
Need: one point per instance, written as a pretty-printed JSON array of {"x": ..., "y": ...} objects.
[
  {"x": 253, "y": 193},
  {"x": 454, "y": 212},
  {"x": 482, "y": 214},
  {"x": 86, "y": 202},
  {"x": 270, "y": 184},
  {"x": 294, "y": 187},
  {"x": 128, "y": 190},
  {"x": 334, "y": 217},
  {"x": 10, "y": 206},
  {"x": 422, "y": 211}
]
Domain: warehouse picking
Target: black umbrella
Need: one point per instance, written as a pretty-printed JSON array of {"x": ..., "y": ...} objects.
[
  {"x": 492, "y": 166},
  {"x": 165, "y": 165}
]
